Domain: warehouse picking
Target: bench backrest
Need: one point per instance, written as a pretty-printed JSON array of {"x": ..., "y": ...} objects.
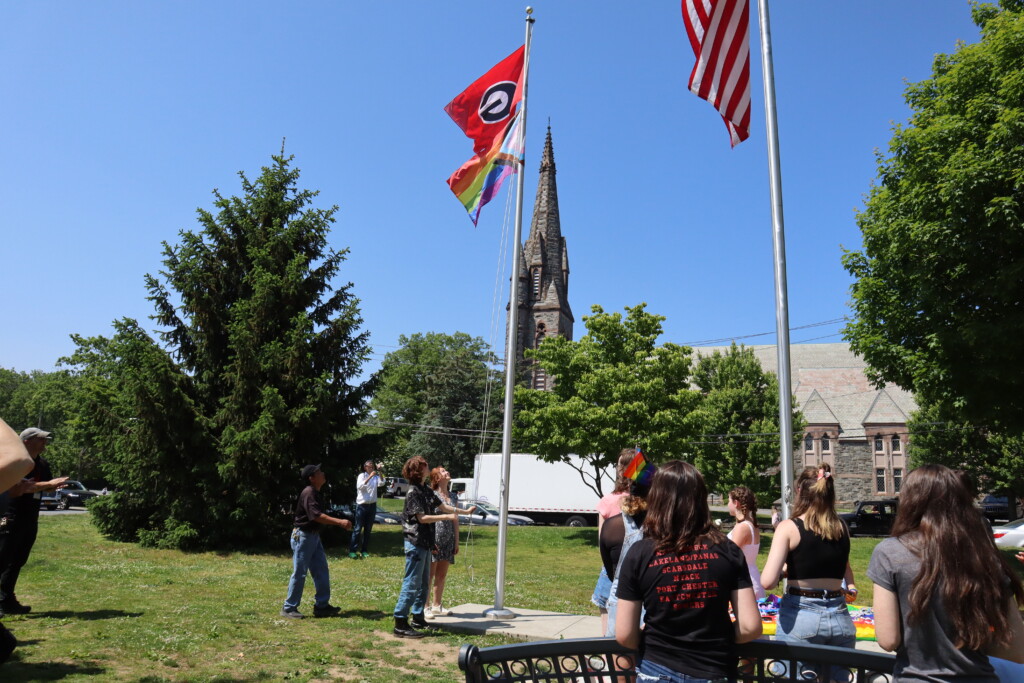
[{"x": 604, "y": 660}]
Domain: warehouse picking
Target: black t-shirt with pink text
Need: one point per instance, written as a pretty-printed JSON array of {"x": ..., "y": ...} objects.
[{"x": 688, "y": 628}]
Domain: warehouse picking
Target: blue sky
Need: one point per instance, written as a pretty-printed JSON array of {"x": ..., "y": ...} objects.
[{"x": 121, "y": 117}]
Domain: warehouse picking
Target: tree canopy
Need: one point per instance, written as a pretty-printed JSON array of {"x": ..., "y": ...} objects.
[
  {"x": 439, "y": 397},
  {"x": 204, "y": 434},
  {"x": 937, "y": 300},
  {"x": 617, "y": 387}
]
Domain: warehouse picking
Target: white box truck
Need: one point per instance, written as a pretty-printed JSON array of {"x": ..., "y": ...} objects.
[{"x": 546, "y": 492}]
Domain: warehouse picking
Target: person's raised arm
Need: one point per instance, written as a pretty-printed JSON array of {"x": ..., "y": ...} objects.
[{"x": 15, "y": 461}]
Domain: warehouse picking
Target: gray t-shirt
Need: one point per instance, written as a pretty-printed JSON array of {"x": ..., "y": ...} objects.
[{"x": 928, "y": 651}]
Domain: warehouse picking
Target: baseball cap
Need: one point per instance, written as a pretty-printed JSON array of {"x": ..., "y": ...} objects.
[
  {"x": 34, "y": 433},
  {"x": 309, "y": 470}
]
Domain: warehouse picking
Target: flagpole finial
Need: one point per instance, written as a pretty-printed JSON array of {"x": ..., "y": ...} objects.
[{"x": 529, "y": 10}]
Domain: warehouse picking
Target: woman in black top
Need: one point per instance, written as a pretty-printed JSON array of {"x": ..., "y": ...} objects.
[
  {"x": 814, "y": 545},
  {"x": 685, "y": 573}
]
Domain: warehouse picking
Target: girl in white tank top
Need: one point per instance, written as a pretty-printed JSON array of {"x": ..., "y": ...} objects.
[{"x": 742, "y": 506}]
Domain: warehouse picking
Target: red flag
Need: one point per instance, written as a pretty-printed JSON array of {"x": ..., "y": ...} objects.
[
  {"x": 483, "y": 109},
  {"x": 719, "y": 33}
]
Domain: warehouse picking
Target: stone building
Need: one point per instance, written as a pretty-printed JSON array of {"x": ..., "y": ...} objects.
[
  {"x": 859, "y": 430},
  {"x": 543, "y": 290}
]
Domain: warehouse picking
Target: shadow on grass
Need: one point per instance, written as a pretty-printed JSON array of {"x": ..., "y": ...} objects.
[
  {"x": 90, "y": 615},
  {"x": 15, "y": 670},
  {"x": 587, "y": 535}
]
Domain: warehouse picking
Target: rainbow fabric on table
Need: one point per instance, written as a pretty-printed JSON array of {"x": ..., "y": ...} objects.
[
  {"x": 639, "y": 470},
  {"x": 481, "y": 177}
]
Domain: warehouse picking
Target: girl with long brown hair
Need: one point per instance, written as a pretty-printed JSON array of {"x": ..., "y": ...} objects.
[
  {"x": 814, "y": 545},
  {"x": 945, "y": 598},
  {"x": 685, "y": 573}
]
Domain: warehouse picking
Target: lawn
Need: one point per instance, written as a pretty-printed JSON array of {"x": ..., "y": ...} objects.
[{"x": 115, "y": 611}]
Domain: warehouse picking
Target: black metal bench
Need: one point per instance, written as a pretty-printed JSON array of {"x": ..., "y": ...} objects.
[{"x": 604, "y": 660}]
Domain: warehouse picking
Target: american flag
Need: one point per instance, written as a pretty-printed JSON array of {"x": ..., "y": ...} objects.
[{"x": 719, "y": 33}]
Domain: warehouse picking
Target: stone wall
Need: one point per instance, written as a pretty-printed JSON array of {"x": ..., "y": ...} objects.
[{"x": 854, "y": 471}]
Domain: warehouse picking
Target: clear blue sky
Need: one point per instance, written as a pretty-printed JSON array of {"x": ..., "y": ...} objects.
[{"x": 121, "y": 117}]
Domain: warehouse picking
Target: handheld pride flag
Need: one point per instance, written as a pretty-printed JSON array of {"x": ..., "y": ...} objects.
[{"x": 639, "y": 470}]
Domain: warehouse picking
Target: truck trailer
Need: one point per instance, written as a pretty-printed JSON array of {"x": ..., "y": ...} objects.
[{"x": 546, "y": 492}]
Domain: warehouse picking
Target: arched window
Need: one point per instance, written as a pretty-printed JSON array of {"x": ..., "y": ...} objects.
[
  {"x": 879, "y": 446},
  {"x": 826, "y": 445},
  {"x": 808, "y": 443},
  {"x": 896, "y": 448},
  {"x": 536, "y": 283}
]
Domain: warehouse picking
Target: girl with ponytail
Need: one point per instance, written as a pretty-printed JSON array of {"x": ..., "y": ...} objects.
[{"x": 814, "y": 545}]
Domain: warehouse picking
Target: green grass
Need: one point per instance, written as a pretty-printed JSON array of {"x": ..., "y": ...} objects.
[{"x": 114, "y": 611}]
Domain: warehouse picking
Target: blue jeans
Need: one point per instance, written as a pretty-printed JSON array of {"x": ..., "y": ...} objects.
[
  {"x": 602, "y": 589},
  {"x": 365, "y": 514},
  {"x": 308, "y": 555},
  {"x": 652, "y": 671},
  {"x": 415, "y": 583},
  {"x": 822, "y": 621}
]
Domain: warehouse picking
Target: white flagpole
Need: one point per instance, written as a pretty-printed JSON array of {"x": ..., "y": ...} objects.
[
  {"x": 779, "y": 244},
  {"x": 511, "y": 349}
]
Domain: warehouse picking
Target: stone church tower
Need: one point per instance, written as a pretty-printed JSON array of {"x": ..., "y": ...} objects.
[{"x": 544, "y": 274}]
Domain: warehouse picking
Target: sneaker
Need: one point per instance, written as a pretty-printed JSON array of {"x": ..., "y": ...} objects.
[
  {"x": 440, "y": 611},
  {"x": 292, "y": 613},
  {"x": 353, "y": 556},
  {"x": 14, "y": 607},
  {"x": 326, "y": 611},
  {"x": 428, "y": 613},
  {"x": 366, "y": 555}
]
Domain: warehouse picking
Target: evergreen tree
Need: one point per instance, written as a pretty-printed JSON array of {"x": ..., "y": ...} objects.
[{"x": 204, "y": 433}]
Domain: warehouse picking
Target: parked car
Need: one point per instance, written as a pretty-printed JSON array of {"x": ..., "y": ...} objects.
[
  {"x": 998, "y": 507},
  {"x": 395, "y": 486},
  {"x": 487, "y": 514},
  {"x": 871, "y": 517},
  {"x": 345, "y": 512},
  {"x": 1009, "y": 535},
  {"x": 50, "y": 500},
  {"x": 74, "y": 494}
]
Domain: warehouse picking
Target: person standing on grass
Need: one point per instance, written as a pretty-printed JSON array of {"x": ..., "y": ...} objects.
[
  {"x": 743, "y": 506},
  {"x": 20, "y": 522},
  {"x": 418, "y": 518},
  {"x": 365, "y": 509},
  {"x": 945, "y": 598},
  {"x": 15, "y": 463},
  {"x": 685, "y": 573},
  {"x": 610, "y": 506},
  {"x": 308, "y": 550}
]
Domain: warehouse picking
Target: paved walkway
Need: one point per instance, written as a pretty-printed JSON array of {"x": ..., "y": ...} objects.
[{"x": 531, "y": 624}]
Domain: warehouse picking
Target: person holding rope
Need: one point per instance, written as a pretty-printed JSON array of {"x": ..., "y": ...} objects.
[{"x": 422, "y": 510}]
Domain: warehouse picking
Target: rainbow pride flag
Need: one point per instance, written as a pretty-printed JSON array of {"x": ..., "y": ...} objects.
[
  {"x": 639, "y": 470},
  {"x": 480, "y": 178}
]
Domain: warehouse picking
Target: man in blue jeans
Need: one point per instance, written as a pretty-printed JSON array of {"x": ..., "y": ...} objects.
[
  {"x": 365, "y": 509},
  {"x": 308, "y": 550},
  {"x": 418, "y": 517}
]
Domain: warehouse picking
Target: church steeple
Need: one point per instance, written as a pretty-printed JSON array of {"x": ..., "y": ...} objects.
[{"x": 544, "y": 278}]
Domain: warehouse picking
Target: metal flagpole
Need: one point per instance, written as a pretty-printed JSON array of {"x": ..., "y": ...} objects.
[
  {"x": 779, "y": 244},
  {"x": 511, "y": 349}
]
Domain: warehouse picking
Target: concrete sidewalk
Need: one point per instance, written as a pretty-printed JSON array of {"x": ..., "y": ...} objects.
[{"x": 532, "y": 624}]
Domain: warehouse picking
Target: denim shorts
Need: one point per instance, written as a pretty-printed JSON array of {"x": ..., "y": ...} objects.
[
  {"x": 821, "y": 621},
  {"x": 602, "y": 590},
  {"x": 649, "y": 671}
]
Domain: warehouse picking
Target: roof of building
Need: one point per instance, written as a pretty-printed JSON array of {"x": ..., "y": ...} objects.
[{"x": 831, "y": 388}]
